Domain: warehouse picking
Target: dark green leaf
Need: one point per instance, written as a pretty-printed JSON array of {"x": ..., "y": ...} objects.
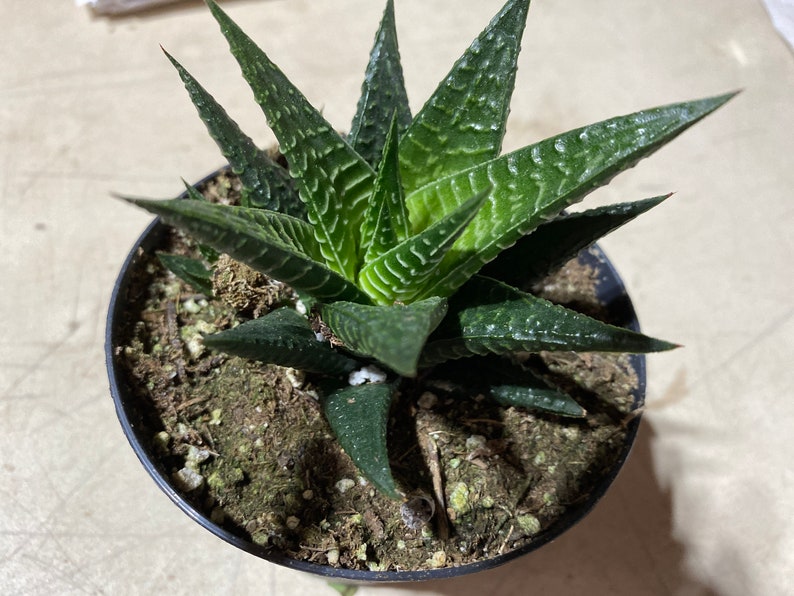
[
  {"x": 265, "y": 183},
  {"x": 463, "y": 122},
  {"x": 358, "y": 417},
  {"x": 487, "y": 316},
  {"x": 281, "y": 337},
  {"x": 510, "y": 384},
  {"x": 403, "y": 273},
  {"x": 382, "y": 94},
  {"x": 271, "y": 243},
  {"x": 386, "y": 220},
  {"x": 553, "y": 244},
  {"x": 189, "y": 270},
  {"x": 513, "y": 385},
  {"x": 333, "y": 180},
  {"x": 538, "y": 396},
  {"x": 393, "y": 335},
  {"x": 534, "y": 184}
]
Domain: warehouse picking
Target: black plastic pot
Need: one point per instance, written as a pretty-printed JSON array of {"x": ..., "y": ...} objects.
[{"x": 612, "y": 294}]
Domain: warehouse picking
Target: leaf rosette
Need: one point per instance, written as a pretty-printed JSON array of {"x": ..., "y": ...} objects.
[{"x": 410, "y": 234}]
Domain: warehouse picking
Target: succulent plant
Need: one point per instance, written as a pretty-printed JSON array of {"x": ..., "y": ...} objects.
[{"x": 406, "y": 238}]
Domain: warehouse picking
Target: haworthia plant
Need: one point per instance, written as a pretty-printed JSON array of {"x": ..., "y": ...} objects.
[{"x": 385, "y": 231}]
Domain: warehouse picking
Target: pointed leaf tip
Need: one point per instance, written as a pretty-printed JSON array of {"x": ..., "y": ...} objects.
[
  {"x": 470, "y": 106},
  {"x": 332, "y": 179},
  {"x": 394, "y": 335},
  {"x": 382, "y": 93},
  {"x": 358, "y": 416}
]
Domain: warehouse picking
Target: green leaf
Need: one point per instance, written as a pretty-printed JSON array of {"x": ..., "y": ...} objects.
[
  {"x": 393, "y": 335},
  {"x": 382, "y": 94},
  {"x": 538, "y": 396},
  {"x": 386, "y": 220},
  {"x": 193, "y": 193},
  {"x": 510, "y": 384},
  {"x": 486, "y": 316},
  {"x": 553, "y": 244},
  {"x": 282, "y": 337},
  {"x": 265, "y": 183},
  {"x": 514, "y": 385},
  {"x": 463, "y": 122},
  {"x": 358, "y": 417},
  {"x": 403, "y": 273},
  {"x": 536, "y": 183},
  {"x": 271, "y": 243},
  {"x": 333, "y": 180},
  {"x": 190, "y": 270}
]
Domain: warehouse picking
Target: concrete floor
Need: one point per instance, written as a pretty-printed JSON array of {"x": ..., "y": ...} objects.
[{"x": 89, "y": 106}]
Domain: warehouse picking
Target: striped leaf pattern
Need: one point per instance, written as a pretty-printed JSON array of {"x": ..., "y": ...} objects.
[
  {"x": 370, "y": 330},
  {"x": 553, "y": 244},
  {"x": 382, "y": 94},
  {"x": 463, "y": 122},
  {"x": 403, "y": 273},
  {"x": 386, "y": 221},
  {"x": 489, "y": 317},
  {"x": 534, "y": 184},
  {"x": 258, "y": 238},
  {"x": 333, "y": 180},
  {"x": 265, "y": 183}
]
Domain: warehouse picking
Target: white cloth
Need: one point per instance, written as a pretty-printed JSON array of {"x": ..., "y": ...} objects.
[{"x": 120, "y": 6}]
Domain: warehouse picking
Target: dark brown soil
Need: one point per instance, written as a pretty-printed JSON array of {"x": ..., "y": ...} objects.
[{"x": 247, "y": 444}]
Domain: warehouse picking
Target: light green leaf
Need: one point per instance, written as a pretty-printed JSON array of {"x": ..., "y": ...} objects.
[
  {"x": 386, "y": 220},
  {"x": 463, "y": 122},
  {"x": 333, "y": 180},
  {"x": 536, "y": 183},
  {"x": 382, "y": 94},
  {"x": 486, "y": 316},
  {"x": 403, "y": 273},
  {"x": 265, "y": 183},
  {"x": 553, "y": 244},
  {"x": 393, "y": 335},
  {"x": 358, "y": 416},
  {"x": 271, "y": 243},
  {"x": 281, "y": 337}
]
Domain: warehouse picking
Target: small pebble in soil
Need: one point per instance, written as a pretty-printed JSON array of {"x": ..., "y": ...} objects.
[
  {"x": 195, "y": 457},
  {"x": 161, "y": 441},
  {"x": 475, "y": 442},
  {"x": 188, "y": 480},
  {"x": 345, "y": 485},
  {"x": 439, "y": 559}
]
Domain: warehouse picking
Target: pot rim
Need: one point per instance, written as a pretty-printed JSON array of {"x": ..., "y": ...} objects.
[{"x": 610, "y": 290}]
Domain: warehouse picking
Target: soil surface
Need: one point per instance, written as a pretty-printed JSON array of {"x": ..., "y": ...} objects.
[{"x": 247, "y": 444}]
